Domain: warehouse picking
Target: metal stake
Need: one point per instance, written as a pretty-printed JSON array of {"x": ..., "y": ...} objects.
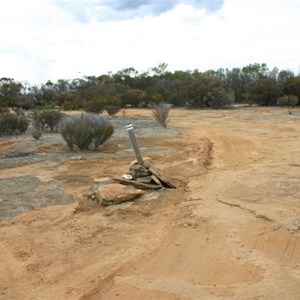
[{"x": 138, "y": 155}]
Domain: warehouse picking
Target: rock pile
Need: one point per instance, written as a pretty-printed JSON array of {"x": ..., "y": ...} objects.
[
  {"x": 129, "y": 185},
  {"x": 145, "y": 176}
]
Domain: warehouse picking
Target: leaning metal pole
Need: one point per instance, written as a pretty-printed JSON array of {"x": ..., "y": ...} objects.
[{"x": 138, "y": 155}]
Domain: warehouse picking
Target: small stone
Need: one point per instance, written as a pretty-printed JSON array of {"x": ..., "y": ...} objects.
[
  {"x": 102, "y": 180},
  {"x": 78, "y": 157},
  {"x": 147, "y": 163}
]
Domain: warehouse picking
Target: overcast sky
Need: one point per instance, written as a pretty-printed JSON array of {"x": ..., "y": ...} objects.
[{"x": 64, "y": 39}]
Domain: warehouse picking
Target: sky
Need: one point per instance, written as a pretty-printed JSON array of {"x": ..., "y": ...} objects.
[{"x": 44, "y": 40}]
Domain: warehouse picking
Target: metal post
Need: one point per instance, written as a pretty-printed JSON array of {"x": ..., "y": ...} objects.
[{"x": 134, "y": 143}]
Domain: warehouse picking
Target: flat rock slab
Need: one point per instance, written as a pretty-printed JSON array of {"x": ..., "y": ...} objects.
[
  {"x": 138, "y": 184},
  {"x": 116, "y": 193}
]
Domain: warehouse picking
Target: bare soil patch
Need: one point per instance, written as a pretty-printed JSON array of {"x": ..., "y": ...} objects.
[{"x": 231, "y": 228}]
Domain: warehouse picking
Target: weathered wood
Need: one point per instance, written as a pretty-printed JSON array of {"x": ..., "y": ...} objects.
[
  {"x": 138, "y": 184},
  {"x": 156, "y": 172}
]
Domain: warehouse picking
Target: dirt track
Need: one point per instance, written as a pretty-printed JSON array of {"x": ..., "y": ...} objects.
[{"x": 230, "y": 230}]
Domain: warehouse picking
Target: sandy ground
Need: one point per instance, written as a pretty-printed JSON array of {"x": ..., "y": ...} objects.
[{"x": 231, "y": 229}]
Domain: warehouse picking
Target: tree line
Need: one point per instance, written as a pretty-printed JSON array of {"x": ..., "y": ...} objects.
[{"x": 252, "y": 84}]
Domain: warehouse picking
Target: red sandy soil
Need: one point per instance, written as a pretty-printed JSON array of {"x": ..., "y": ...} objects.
[{"x": 229, "y": 230}]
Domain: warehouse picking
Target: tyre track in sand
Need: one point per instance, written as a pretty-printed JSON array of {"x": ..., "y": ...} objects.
[{"x": 230, "y": 238}]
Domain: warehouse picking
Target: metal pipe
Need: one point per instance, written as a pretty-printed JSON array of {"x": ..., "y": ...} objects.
[{"x": 138, "y": 155}]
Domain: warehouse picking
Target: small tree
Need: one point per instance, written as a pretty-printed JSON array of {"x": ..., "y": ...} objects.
[
  {"x": 161, "y": 113},
  {"x": 85, "y": 130},
  {"x": 264, "y": 91}
]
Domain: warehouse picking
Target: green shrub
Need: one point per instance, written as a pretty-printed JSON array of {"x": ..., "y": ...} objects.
[
  {"x": 264, "y": 91},
  {"x": 68, "y": 105},
  {"x": 293, "y": 100},
  {"x": 11, "y": 124},
  {"x": 287, "y": 100},
  {"x": 47, "y": 118},
  {"x": 218, "y": 97},
  {"x": 4, "y": 110},
  {"x": 283, "y": 100},
  {"x": 161, "y": 113},
  {"x": 98, "y": 104},
  {"x": 85, "y": 131},
  {"x": 95, "y": 105},
  {"x": 112, "y": 109}
]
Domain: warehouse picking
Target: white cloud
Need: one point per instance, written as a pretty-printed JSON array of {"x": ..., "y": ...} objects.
[
  {"x": 107, "y": 10},
  {"x": 41, "y": 40}
]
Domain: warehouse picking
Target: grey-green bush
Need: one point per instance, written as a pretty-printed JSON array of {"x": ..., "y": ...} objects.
[
  {"x": 36, "y": 132},
  {"x": 161, "y": 113},
  {"x": 85, "y": 131},
  {"x": 47, "y": 118},
  {"x": 11, "y": 124}
]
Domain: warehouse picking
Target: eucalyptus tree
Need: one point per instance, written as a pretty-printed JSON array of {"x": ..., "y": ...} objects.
[
  {"x": 264, "y": 91},
  {"x": 253, "y": 72},
  {"x": 10, "y": 91},
  {"x": 291, "y": 86}
]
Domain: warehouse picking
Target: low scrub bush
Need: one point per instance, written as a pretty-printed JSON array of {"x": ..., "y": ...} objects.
[
  {"x": 12, "y": 124},
  {"x": 112, "y": 110},
  {"x": 161, "y": 113},
  {"x": 98, "y": 104},
  {"x": 35, "y": 132},
  {"x": 4, "y": 110},
  {"x": 74, "y": 104},
  {"x": 85, "y": 131},
  {"x": 218, "y": 97},
  {"x": 287, "y": 100},
  {"x": 283, "y": 100},
  {"x": 95, "y": 105},
  {"x": 47, "y": 118},
  {"x": 293, "y": 100}
]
